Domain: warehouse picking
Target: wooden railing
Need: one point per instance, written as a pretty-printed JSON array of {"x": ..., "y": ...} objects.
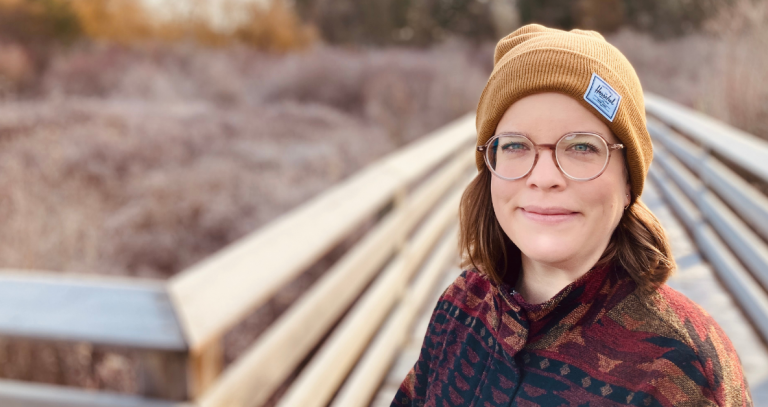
[
  {"x": 352, "y": 317},
  {"x": 696, "y": 166}
]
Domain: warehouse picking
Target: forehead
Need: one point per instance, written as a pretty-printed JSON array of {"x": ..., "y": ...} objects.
[{"x": 544, "y": 117}]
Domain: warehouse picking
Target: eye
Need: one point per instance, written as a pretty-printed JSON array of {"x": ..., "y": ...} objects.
[
  {"x": 584, "y": 147},
  {"x": 514, "y": 145}
]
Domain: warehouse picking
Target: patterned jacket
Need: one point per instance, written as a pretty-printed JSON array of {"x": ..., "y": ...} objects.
[{"x": 595, "y": 343}]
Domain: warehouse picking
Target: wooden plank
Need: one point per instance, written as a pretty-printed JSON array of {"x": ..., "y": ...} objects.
[
  {"x": 24, "y": 394},
  {"x": 737, "y": 146},
  {"x": 215, "y": 294},
  {"x": 320, "y": 379},
  {"x": 745, "y": 199},
  {"x": 363, "y": 382},
  {"x": 252, "y": 378},
  {"x": 121, "y": 312}
]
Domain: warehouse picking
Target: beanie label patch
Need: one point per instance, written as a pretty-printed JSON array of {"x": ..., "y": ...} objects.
[{"x": 602, "y": 97}]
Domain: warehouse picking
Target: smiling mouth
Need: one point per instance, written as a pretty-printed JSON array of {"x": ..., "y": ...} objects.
[{"x": 555, "y": 216}]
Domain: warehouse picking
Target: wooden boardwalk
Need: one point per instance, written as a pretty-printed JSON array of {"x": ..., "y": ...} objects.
[{"x": 694, "y": 278}]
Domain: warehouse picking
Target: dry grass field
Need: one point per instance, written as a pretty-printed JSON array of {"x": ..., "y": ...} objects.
[{"x": 143, "y": 161}]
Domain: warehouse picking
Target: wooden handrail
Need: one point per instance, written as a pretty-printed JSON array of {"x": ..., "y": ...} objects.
[
  {"x": 96, "y": 309},
  {"x": 319, "y": 380},
  {"x": 744, "y": 198},
  {"x": 262, "y": 368},
  {"x": 182, "y": 320},
  {"x": 214, "y": 295},
  {"x": 739, "y": 147},
  {"x": 752, "y": 251}
]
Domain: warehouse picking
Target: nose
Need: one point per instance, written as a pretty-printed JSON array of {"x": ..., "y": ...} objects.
[{"x": 545, "y": 174}]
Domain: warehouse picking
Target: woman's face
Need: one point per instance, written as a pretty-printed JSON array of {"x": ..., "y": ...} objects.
[{"x": 553, "y": 219}]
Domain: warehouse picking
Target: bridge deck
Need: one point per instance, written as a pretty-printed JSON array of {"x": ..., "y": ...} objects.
[{"x": 694, "y": 278}]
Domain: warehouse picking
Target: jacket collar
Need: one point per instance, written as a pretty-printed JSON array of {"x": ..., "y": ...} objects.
[
  {"x": 581, "y": 302},
  {"x": 583, "y": 290}
]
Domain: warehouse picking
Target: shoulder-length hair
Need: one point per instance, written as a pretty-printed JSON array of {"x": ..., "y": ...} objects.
[{"x": 639, "y": 243}]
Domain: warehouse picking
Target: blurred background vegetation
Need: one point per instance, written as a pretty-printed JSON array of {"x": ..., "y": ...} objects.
[{"x": 138, "y": 137}]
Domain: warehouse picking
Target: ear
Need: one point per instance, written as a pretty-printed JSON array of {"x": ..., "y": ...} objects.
[{"x": 627, "y": 194}]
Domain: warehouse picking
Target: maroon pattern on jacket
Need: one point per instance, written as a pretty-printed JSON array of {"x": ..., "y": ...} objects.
[{"x": 595, "y": 343}]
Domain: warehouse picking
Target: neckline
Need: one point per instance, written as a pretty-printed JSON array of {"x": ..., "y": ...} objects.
[{"x": 582, "y": 290}]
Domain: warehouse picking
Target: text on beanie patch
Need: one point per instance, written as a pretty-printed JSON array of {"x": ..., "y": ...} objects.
[{"x": 602, "y": 97}]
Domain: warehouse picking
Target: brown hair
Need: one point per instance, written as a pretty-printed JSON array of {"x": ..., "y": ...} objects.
[{"x": 639, "y": 243}]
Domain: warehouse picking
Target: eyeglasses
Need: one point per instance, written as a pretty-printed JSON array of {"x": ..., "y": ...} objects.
[{"x": 579, "y": 156}]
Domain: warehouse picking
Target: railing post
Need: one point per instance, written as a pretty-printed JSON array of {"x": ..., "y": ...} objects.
[{"x": 205, "y": 366}]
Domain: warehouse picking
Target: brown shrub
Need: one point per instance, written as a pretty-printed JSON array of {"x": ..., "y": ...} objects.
[
  {"x": 272, "y": 27},
  {"x": 117, "y": 20},
  {"x": 277, "y": 28}
]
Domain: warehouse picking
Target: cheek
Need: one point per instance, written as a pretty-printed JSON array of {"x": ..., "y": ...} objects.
[
  {"x": 606, "y": 198},
  {"x": 604, "y": 204},
  {"x": 504, "y": 197},
  {"x": 502, "y": 193}
]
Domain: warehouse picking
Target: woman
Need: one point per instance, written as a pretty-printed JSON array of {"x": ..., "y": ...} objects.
[{"x": 562, "y": 301}]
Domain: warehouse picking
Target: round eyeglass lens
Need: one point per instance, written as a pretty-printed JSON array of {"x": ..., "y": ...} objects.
[
  {"x": 581, "y": 155},
  {"x": 511, "y": 156}
]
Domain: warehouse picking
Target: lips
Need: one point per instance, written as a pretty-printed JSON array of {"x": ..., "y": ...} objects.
[{"x": 548, "y": 215}]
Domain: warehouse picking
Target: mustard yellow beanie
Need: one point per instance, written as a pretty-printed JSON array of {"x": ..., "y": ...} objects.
[{"x": 580, "y": 64}]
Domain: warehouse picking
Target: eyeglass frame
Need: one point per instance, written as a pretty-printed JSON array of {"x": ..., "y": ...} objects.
[{"x": 486, "y": 147}]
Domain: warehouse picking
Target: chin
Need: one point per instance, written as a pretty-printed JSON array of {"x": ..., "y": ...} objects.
[{"x": 549, "y": 249}]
